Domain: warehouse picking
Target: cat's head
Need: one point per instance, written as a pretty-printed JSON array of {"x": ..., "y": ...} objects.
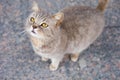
[{"x": 43, "y": 25}]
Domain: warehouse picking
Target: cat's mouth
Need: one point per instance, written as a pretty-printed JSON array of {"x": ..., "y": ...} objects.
[{"x": 33, "y": 31}]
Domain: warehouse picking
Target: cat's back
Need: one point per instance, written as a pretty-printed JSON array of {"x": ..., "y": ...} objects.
[
  {"x": 76, "y": 14},
  {"x": 76, "y": 11},
  {"x": 79, "y": 20}
]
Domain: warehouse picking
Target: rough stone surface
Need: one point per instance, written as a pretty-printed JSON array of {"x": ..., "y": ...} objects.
[{"x": 18, "y": 61}]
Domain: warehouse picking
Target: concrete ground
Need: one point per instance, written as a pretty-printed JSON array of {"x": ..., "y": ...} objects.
[{"x": 101, "y": 61}]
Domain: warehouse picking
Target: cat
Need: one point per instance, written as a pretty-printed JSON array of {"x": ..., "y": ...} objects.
[{"x": 70, "y": 31}]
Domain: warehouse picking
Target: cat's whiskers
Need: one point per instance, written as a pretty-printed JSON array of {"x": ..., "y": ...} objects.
[
  {"x": 22, "y": 33},
  {"x": 20, "y": 36}
]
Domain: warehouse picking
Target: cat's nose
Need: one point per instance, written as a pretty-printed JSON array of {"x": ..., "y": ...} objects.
[{"x": 34, "y": 27}]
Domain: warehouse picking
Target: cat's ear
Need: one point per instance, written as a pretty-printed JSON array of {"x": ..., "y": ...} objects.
[
  {"x": 59, "y": 17},
  {"x": 35, "y": 7}
]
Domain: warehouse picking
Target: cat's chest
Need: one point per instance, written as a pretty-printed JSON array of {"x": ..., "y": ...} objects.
[
  {"x": 40, "y": 46},
  {"x": 36, "y": 42}
]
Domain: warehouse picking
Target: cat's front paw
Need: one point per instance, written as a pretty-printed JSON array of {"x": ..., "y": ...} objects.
[{"x": 53, "y": 67}]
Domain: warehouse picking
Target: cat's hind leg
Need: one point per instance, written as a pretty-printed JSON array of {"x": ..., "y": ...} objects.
[{"x": 74, "y": 57}]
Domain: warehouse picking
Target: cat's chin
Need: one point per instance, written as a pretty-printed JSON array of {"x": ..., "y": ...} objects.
[
  {"x": 36, "y": 35},
  {"x": 33, "y": 34}
]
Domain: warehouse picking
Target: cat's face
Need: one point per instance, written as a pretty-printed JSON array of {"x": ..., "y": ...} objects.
[{"x": 42, "y": 25}]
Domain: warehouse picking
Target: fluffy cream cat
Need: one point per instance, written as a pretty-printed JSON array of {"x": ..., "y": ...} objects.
[{"x": 69, "y": 31}]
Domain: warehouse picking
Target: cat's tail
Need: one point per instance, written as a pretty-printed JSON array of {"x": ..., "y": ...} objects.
[{"x": 102, "y": 5}]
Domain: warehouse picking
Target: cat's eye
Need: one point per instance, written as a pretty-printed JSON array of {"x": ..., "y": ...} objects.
[
  {"x": 44, "y": 25},
  {"x": 32, "y": 19}
]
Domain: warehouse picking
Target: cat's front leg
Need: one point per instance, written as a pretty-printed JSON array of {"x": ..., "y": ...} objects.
[{"x": 55, "y": 63}]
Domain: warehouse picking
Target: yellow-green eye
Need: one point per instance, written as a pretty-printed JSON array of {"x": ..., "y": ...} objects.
[
  {"x": 44, "y": 25},
  {"x": 32, "y": 19}
]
